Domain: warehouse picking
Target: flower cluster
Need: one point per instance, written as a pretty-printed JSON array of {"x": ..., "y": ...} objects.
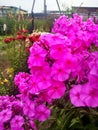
[
  {"x": 54, "y": 61},
  {"x": 23, "y": 37},
  {"x": 15, "y": 114},
  {"x": 82, "y": 33},
  {"x": 87, "y": 94},
  {"x": 11, "y": 113}
]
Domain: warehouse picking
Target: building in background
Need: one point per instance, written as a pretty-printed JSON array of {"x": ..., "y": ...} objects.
[
  {"x": 11, "y": 11},
  {"x": 86, "y": 12}
]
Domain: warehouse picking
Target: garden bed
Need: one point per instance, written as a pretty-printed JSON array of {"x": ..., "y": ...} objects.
[{"x": 55, "y": 78}]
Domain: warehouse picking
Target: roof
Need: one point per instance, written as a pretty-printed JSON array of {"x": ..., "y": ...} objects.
[
  {"x": 85, "y": 7},
  {"x": 11, "y": 7},
  {"x": 85, "y": 3}
]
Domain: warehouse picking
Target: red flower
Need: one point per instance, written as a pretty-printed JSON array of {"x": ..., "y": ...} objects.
[
  {"x": 21, "y": 37},
  {"x": 19, "y": 33},
  {"x": 34, "y": 37},
  {"x": 8, "y": 40},
  {"x": 25, "y": 31}
]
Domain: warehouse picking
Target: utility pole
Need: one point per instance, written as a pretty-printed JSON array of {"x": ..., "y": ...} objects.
[
  {"x": 58, "y": 6},
  {"x": 45, "y": 7},
  {"x": 33, "y": 6}
]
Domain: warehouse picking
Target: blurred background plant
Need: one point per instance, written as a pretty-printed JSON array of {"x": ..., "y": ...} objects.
[
  {"x": 13, "y": 25},
  {"x": 18, "y": 49},
  {"x": 6, "y": 82},
  {"x": 14, "y": 51}
]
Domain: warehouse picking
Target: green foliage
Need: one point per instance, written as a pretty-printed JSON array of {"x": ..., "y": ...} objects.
[
  {"x": 6, "y": 82},
  {"x": 43, "y": 25},
  {"x": 2, "y": 45},
  {"x": 17, "y": 56},
  {"x": 2, "y": 21},
  {"x": 12, "y": 55},
  {"x": 13, "y": 25},
  {"x": 67, "y": 117}
]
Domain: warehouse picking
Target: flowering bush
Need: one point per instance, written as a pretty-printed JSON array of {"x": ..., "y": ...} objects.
[{"x": 62, "y": 79}]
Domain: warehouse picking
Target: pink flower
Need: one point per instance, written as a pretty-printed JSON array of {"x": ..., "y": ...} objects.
[
  {"x": 60, "y": 25},
  {"x": 59, "y": 50},
  {"x": 1, "y": 126},
  {"x": 17, "y": 128},
  {"x": 90, "y": 95},
  {"x": 33, "y": 85},
  {"x": 37, "y": 56},
  {"x": 59, "y": 72},
  {"x": 29, "y": 109},
  {"x": 80, "y": 73},
  {"x": 44, "y": 96},
  {"x": 70, "y": 62},
  {"x": 21, "y": 77},
  {"x": 42, "y": 112},
  {"x": 40, "y": 70},
  {"x": 85, "y": 38},
  {"x": 75, "y": 96},
  {"x": 22, "y": 87},
  {"x": 44, "y": 81},
  {"x": 33, "y": 125},
  {"x": 93, "y": 80},
  {"x": 57, "y": 89},
  {"x": 17, "y": 107},
  {"x": 17, "y": 122},
  {"x": 5, "y": 115},
  {"x": 24, "y": 94},
  {"x": 49, "y": 40}
]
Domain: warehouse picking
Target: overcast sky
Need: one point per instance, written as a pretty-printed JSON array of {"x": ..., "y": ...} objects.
[{"x": 51, "y": 4}]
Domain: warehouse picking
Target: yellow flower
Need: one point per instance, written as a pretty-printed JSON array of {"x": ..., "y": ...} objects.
[
  {"x": 10, "y": 76},
  {"x": 5, "y": 81},
  {"x": 10, "y": 70},
  {"x": 1, "y": 83}
]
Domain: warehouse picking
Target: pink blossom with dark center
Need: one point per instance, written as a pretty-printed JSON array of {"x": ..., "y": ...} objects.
[
  {"x": 89, "y": 95},
  {"x": 17, "y": 122},
  {"x": 59, "y": 72},
  {"x": 75, "y": 96},
  {"x": 5, "y": 115},
  {"x": 29, "y": 109},
  {"x": 57, "y": 89},
  {"x": 42, "y": 112}
]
